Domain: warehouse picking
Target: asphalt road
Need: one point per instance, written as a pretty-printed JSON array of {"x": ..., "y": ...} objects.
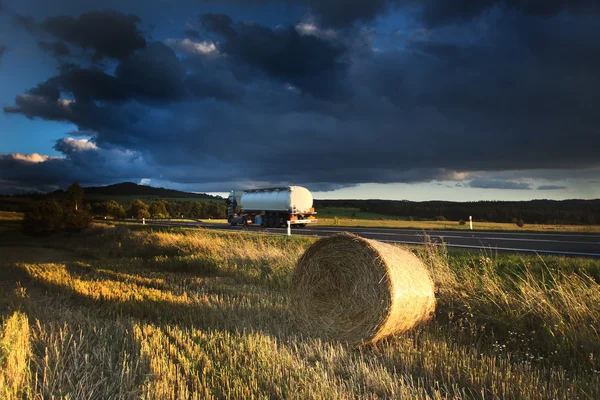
[{"x": 573, "y": 244}]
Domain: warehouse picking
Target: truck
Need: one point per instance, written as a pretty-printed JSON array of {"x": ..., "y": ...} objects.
[{"x": 271, "y": 207}]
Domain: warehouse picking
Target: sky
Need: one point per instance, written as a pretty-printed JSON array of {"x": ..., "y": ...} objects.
[{"x": 393, "y": 99}]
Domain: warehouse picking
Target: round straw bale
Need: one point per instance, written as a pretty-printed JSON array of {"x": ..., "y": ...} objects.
[{"x": 359, "y": 290}]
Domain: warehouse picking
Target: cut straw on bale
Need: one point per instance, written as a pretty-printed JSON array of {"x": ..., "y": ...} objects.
[{"x": 359, "y": 291}]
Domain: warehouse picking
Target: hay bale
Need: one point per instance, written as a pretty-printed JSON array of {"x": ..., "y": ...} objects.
[{"x": 359, "y": 290}]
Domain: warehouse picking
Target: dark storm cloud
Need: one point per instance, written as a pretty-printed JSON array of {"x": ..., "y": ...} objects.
[
  {"x": 253, "y": 105},
  {"x": 309, "y": 62},
  {"x": 438, "y": 12},
  {"x": 89, "y": 84},
  {"x": 220, "y": 24},
  {"x": 353, "y": 10},
  {"x": 108, "y": 33},
  {"x": 221, "y": 85},
  {"x": 343, "y": 13},
  {"x": 57, "y": 49},
  {"x": 153, "y": 73},
  {"x": 81, "y": 161},
  {"x": 337, "y": 13}
]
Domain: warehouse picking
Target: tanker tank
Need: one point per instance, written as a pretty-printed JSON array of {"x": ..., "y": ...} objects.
[
  {"x": 272, "y": 208},
  {"x": 293, "y": 199}
]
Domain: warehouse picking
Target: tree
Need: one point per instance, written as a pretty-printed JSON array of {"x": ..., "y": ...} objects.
[
  {"x": 44, "y": 218},
  {"x": 75, "y": 194},
  {"x": 196, "y": 211},
  {"x": 158, "y": 209},
  {"x": 138, "y": 210},
  {"x": 114, "y": 209}
]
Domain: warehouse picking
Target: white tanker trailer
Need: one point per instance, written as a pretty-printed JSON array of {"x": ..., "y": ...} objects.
[{"x": 271, "y": 207}]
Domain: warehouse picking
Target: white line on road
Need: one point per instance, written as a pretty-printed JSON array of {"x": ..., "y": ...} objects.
[{"x": 453, "y": 236}]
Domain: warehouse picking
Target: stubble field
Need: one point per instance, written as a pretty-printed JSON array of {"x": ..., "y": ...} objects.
[{"x": 116, "y": 312}]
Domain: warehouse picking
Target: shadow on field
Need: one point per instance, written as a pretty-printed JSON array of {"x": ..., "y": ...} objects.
[{"x": 109, "y": 294}]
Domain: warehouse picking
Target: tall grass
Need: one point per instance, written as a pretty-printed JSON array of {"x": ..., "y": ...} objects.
[
  {"x": 15, "y": 353},
  {"x": 123, "y": 313}
]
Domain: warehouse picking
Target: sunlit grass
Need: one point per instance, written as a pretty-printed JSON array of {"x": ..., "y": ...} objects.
[
  {"x": 120, "y": 313},
  {"x": 10, "y": 216}
]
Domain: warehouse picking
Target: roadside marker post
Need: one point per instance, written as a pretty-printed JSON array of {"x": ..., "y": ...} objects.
[
  {"x": 471, "y": 221},
  {"x": 289, "y": 230},
  {"x": 143, "y": 221}
]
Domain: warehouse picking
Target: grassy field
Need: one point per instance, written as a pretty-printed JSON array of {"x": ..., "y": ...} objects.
[
  {"x": 169, "y": 314},
  {"x": 482, "y": 226},
  {"x": 351, "y": 213}
]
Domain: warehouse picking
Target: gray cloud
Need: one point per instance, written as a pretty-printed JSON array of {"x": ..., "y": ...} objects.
[
  {"x": 483, "y": 183},
  {"x": 551, "y": 187}
]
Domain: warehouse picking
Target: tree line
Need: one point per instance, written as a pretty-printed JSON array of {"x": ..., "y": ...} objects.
[
  {"x": 160, "y": 209},
  {"x": 577, "y": 212},
  {"x": 67, "y": 211}
]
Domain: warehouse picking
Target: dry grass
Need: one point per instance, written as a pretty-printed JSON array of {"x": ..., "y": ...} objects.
[
  {"x": 10, "y": 216},
  {"x": 122, "y": 314},
  {"x": 15, "y": 354},
  {"x": 359, "y": 291}
]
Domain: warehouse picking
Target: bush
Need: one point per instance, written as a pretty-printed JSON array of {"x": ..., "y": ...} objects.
[
  {"x": 441, "y": 218},
  {"x": 48, "y": 216},
  {"x": 76, "y": 221},
  {"x": 520, "y": 223},
  {"x": 461, "y": 222}
]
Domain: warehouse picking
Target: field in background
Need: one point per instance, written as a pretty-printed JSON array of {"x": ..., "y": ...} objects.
[
  {"x": 157, "y": 314},
  {"x": 351, "y": 213},
  {"x": 344, "y": 217}
]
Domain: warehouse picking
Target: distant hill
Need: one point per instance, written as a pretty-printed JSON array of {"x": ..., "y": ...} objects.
[{"x": 132, "y": 189}]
